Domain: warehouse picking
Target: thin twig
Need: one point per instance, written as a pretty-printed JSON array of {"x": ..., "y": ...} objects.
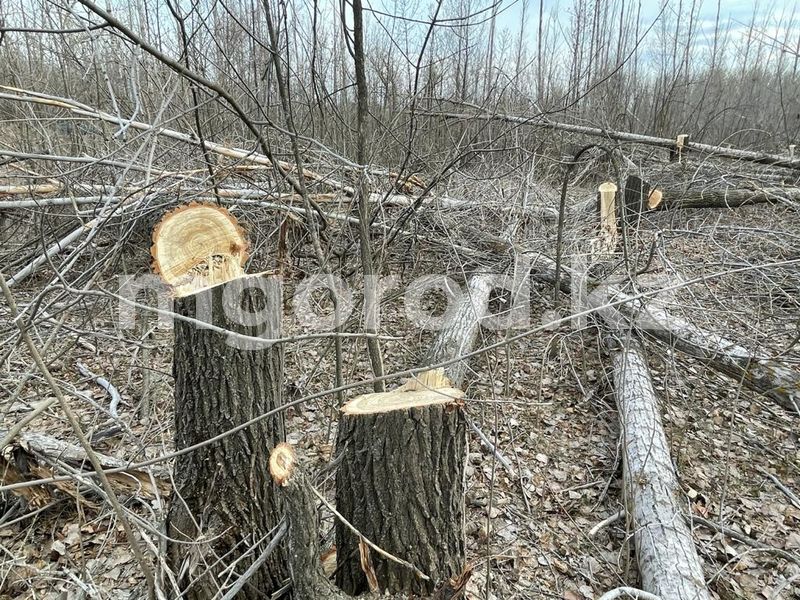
[
  {"x": 369, "y": 543},
  {"x": 75, "y": 424}
]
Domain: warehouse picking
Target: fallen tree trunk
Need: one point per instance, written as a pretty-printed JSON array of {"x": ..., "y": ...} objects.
[
  {"x": 775, "y": 160},
  {"x": 642, "y": 196},
  {"x": 726, "y": 197},
  {"x": 763, "y": 375},
  {"x": 766, "y": 376},
  {"x": 219, "y": 149},
  {"x": 668, "y": 563},
  {"x": 401, "y": 477}
]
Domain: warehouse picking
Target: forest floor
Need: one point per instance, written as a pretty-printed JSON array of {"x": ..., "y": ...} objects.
[{"x": 545, "y": 400}]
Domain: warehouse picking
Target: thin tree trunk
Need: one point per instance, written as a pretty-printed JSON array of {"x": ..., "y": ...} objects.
[
  {"x": 776, "y": 160},
  {"x": 225, "y": 502},
  {"x": 371, "y": 296}
]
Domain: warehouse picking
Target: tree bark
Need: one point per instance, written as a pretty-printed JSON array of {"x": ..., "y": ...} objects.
[
  {"x": 726, "y": 197},
  {"x": 308, "y": 580},
  {"x": 401, "y": 481},
  {"x": 401, "y": 484},
  {"x": 225, "y": 503},
  {"x": 761, "y": 374},
  {"x": 768, "y": 377},
  {"x": 775, "y": 160},
  {"x": 665, "y": 552},
  {"x": 32, "y": 455},
  {"x": 461, "y": 330}
]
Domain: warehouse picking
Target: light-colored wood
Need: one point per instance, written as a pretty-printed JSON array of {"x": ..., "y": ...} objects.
[
  {"x": 282, "y": 462},
  {"x": 399, "y": 399},
  {"x": 668, "y": 562},
  {"x": 654, "y": 199},
  {"x": 607, "y": 240},
  {"x": 197, "y": 246}
]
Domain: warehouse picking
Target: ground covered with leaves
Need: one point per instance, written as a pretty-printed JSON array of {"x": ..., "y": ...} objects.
[{"x": 550, "y": 474}]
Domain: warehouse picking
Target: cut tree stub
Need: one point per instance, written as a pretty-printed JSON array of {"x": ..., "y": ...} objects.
[
  {"x": 401, "y": 484},
  {"x": 197, "y": 246},
  {"x": 429, "y": 388},
  {"x": 225, "y": 502}
]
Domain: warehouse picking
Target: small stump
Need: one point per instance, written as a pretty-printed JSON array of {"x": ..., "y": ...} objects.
[{"x": 401, "y": 483}]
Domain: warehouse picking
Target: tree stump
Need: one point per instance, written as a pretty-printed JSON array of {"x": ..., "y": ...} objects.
[
  {"x": 401, "y": 483},
  {"x": 225, "y": 508},
  {"x": 401, "y": 480},
  {"x": 224, "y": 495}
]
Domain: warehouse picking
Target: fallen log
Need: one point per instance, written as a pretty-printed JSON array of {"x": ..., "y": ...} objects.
[
  {"x": 401, "y": 477},
  {"x": 775, "y": 160},
  {"x": 642, "y": 196},
  {"x": 89, "y": 229},
  {"x": 668, "y": 563},
  {"x": 762, "y": 374},
  {"x": 726, "y": 197},
  {"x": 34, "y": 455},
  {"x": 219, "y": 149}
]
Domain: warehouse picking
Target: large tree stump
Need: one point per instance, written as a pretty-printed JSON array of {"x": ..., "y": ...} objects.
[
  {"x": 665, "y": 552},
  {"x": 401, "y": 478},
  {"x": 225, "y": 503},
  {"x": 225, "y": 508}
]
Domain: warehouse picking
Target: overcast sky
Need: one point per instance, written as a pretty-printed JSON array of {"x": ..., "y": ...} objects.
[{"x": 771, "y": 16}]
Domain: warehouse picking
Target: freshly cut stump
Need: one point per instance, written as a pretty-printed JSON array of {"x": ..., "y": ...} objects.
[
  {"x": 401, "y": 479},
  {"x": 225, "y": 506},
  {"x": 401, "y": 483},
  {"x": 308, "y": 579},
  {"x": 224, "y": 495},
  {"x": 197, "y": 246}
]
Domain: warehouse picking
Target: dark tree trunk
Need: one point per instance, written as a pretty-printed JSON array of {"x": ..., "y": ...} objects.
[
  {"x": 224, "y": 494},
  {"x": 401, "y": 479},
  {"x": 401, "y": 484},
  {"x": 727, "y": 197}
]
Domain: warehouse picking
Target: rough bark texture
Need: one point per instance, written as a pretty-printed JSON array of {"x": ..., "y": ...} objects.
[
  {"x": 223, "y": 491},
  {"x": 665, "y": 552},
  {"x": 308, "y": 580},
  {"x": 401, "y": 483},
  {"x": 726, "y": 198}
]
